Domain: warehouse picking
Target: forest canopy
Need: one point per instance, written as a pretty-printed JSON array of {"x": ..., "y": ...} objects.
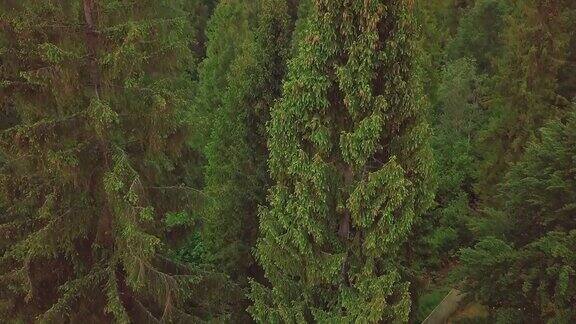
[{"x": 287, "y": 161}]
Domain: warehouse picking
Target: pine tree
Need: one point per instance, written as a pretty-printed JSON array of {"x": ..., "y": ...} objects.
[
  {"x": 527, "y": 272},
  {"x": 530, "y": 83},
  {"x": 97, "y": 90},
  {"x": 350, "y": 158},
  {"x": 240, "y": 79}
]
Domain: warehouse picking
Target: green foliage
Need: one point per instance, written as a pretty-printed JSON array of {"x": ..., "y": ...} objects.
[
  {"x": 439, "y": 24},
  {"x": 538, "y": 47},
  {"x": 97, "y": 91},
  {"x": 295, "y": 158},
  {"x": 457, "y": 119},
  {"x": 351, "y": 165},
  {"x": 479, "y": 33},
  {"x": 193, "y": 251},
  {"x": 533, "y": 270},
  {"x": 239, "y": 80},
  {"x": 247, "y": 45},
  {"x": 541, "y": 187}
]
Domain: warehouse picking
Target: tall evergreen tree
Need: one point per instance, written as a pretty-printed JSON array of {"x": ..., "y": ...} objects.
[
  {"x": 350, "y": 158},
  {"x": 240, "y": 79},
  {"x": 97, "y": 90}
]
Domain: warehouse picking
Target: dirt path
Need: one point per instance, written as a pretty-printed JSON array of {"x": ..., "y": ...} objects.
[{"x": 447, "y": 307}]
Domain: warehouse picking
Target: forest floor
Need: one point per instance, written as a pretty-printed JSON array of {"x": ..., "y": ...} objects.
[{"x": 469, "y": 313}]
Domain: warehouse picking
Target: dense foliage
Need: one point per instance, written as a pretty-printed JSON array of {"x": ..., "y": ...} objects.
[
  {"x": 349, "y": 155},
  {"x": 507, "y": 70},
  {"x": 295, "y": 161},
  {"x": 248, "y": 44},
  {"x": 97, "y": 92},
  {"x": 527, "y": 270}
]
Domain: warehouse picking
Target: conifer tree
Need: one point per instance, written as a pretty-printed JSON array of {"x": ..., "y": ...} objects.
[
  {"x": 240, "y": 79},
  {"x": 532, "y": 83},
  {"x": 350, "y": 158},
  {"x": 527, "y": 270},
  {"x": 97, "y": 90}
]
